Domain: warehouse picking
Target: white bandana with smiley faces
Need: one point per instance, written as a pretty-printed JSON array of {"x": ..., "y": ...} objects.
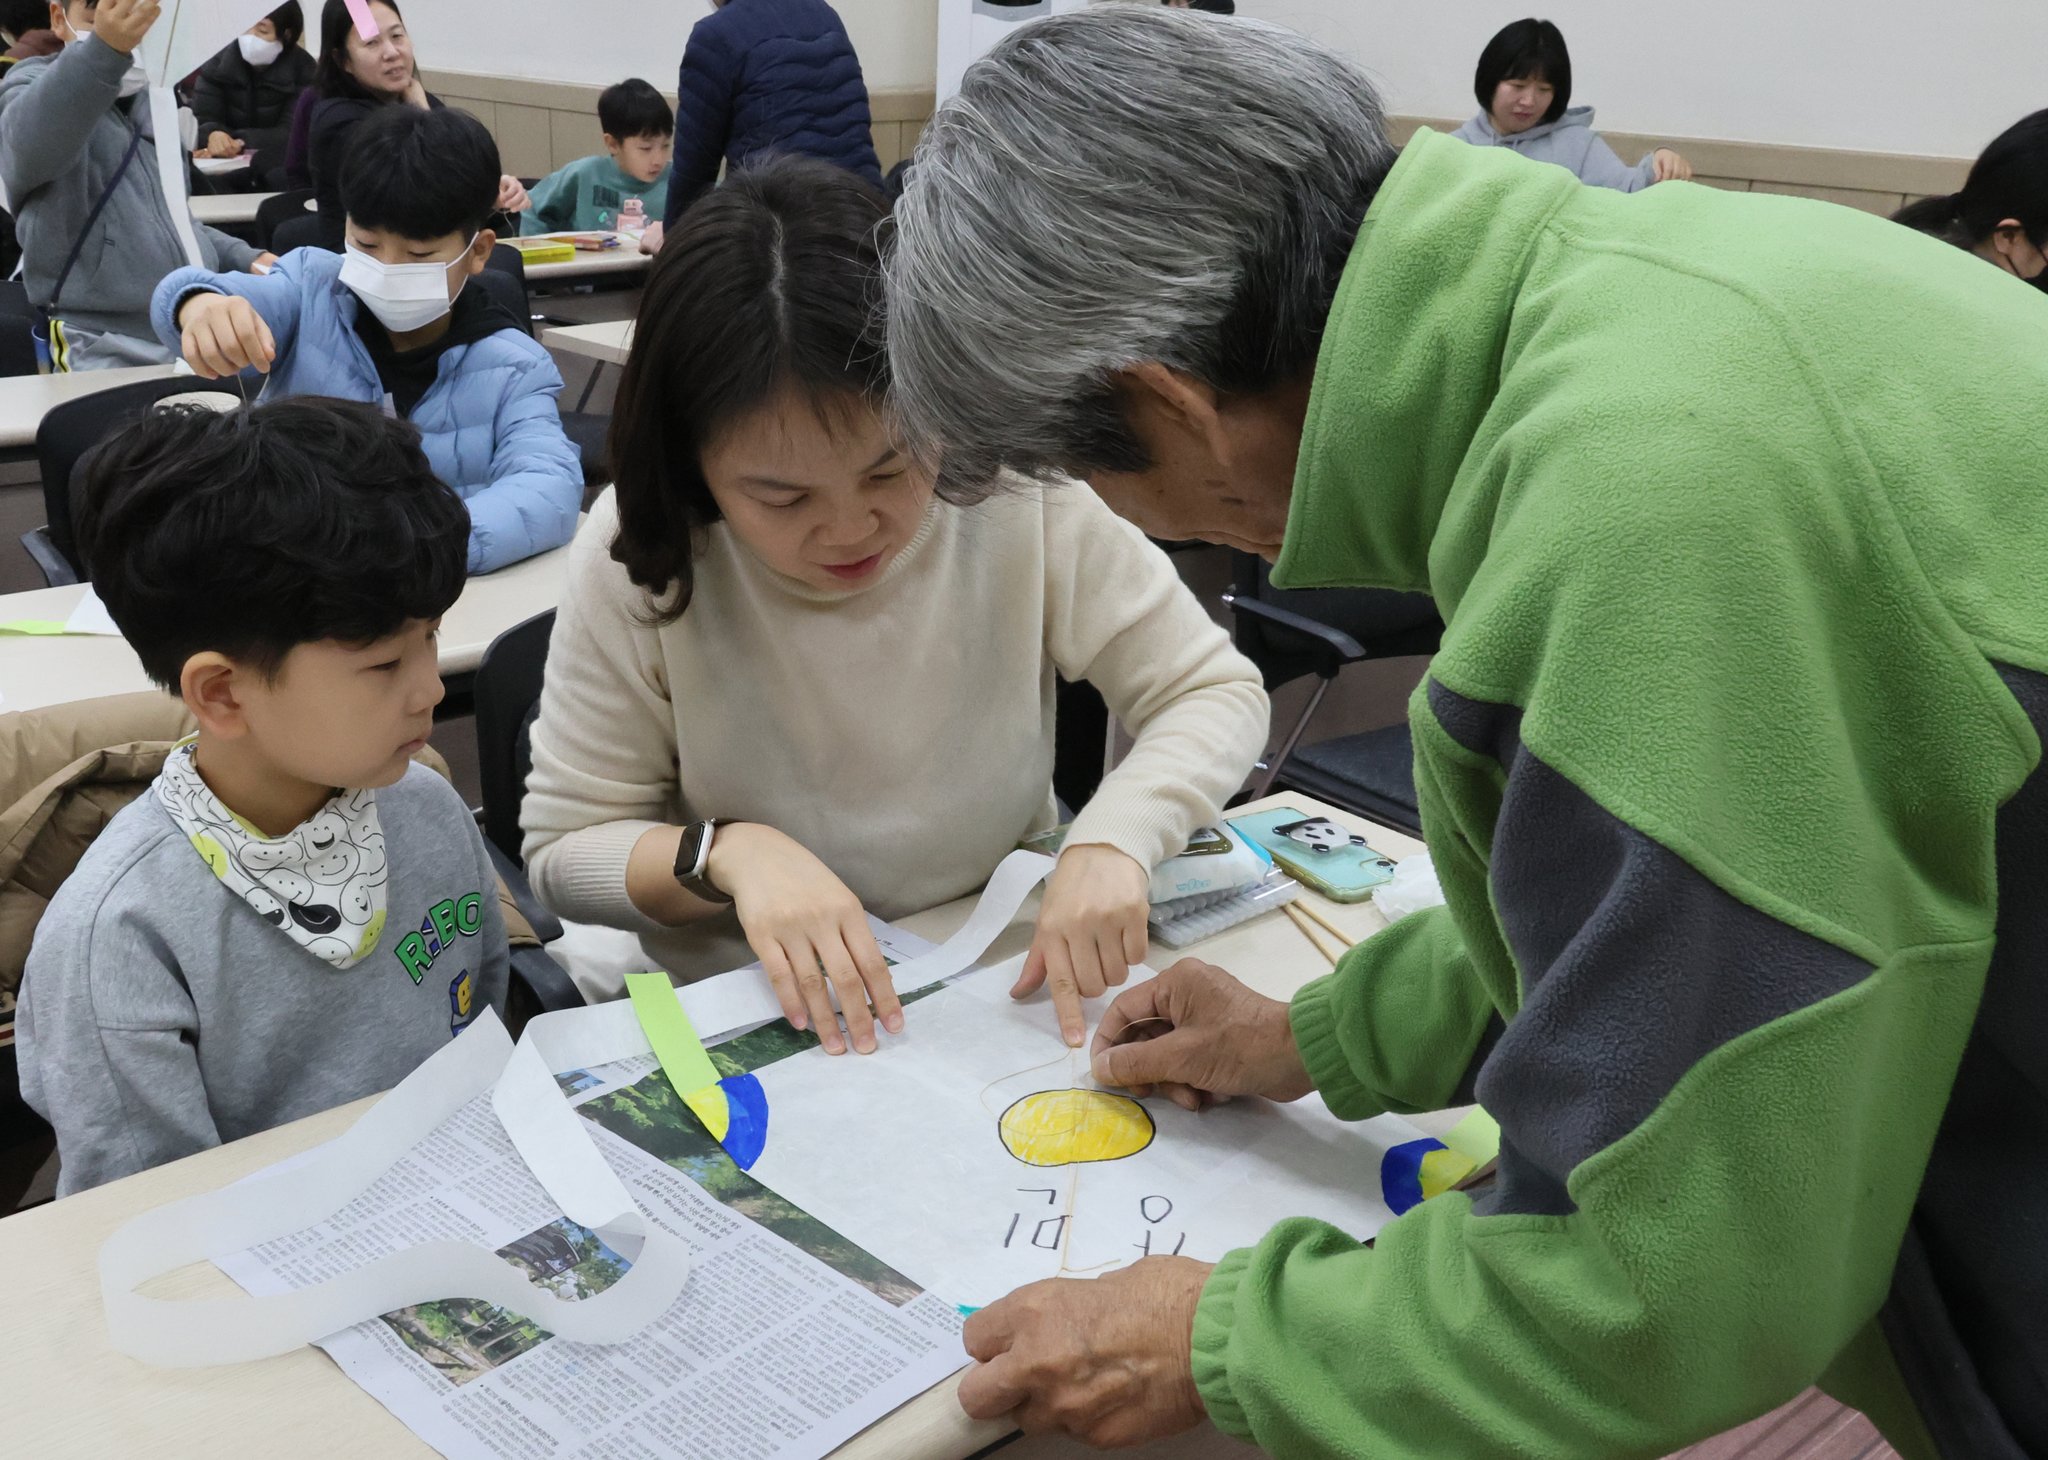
[{"x": 322, "y": 884}]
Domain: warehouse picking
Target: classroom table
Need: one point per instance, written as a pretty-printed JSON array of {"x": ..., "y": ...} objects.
[
  {"x": 74, "y": 1396},
  {"x": 40, "y": 671},
  {"x": 26, "y": 399},
  {"x": 608, "y": 343},
  {"x": 224, "y": 210},
  {"x": 593, "y": 264}
]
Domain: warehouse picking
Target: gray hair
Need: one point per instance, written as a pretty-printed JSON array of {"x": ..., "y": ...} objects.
[{"x": 1119, "y": 185}]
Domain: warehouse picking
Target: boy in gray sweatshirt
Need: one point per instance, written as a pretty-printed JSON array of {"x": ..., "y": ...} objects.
[
  {"x": 75, "y": 137},
  {"x": 294, "y": 914}
]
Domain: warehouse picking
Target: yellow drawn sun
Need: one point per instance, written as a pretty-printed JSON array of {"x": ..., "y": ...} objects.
[{"x": 1067, "y": 1127}]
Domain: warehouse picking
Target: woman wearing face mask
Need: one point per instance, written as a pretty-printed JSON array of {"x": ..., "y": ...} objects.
[
  {"x": 244, "y": 97},
  {"x": 1524, "y": 87},
  {"x": 355, "y": 77},
  {"x": 2001, "y": 214},
  {"x": 77, "y": 157},
  {"x": 788, "y": 686}
]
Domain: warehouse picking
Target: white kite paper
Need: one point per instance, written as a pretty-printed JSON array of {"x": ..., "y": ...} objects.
[{"x": 975, "y": 1153}]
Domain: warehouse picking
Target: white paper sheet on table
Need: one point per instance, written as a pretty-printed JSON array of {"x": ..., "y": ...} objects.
[
  {"x": 901, "y": 1152},
  {"x": 472, "y": 1177},
  {"x": 90, "y": 616}
]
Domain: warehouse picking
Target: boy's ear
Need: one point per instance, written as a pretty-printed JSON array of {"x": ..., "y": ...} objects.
[
  {"x": 611, "y": 143},
  {"x": 211, "y": 686},
  {"x": 480, "y": 251}
]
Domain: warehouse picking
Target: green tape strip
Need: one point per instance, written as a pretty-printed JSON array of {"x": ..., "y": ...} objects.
[
  {"x": 35, "y": 627},
  {"x": 1476, "y": 1137},
  {"x": 675, "y": 1041}
]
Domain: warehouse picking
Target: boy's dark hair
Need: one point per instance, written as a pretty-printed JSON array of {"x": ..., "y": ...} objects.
[
  {"x": 1528, "y": 50},
  {"x": 290, "y": 23},
  {"x": 422, "y": 175},
  {"x": 19, "y": 17},
  {"x": 330, "y": 75},
  {"x": 2009, "y": 181},
  {"x": 768, "y": 282},
  {"x": 633, "y": 108},
  {"x": 253, "y": 531}
]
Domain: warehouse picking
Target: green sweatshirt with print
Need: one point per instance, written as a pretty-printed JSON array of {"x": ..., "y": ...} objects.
[{"x": 1730, "y": 766}]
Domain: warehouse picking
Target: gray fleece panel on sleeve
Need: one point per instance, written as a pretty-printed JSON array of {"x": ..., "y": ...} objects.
[{"x": 1633, "y": 966}]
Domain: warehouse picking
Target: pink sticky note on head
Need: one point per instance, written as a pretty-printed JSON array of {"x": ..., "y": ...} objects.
[{"x": 366, "y": 23}]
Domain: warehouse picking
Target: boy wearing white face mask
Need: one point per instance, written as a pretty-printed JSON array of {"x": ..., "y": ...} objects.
[
  {"x": 244, "y": 96},
  {"x": 78, "y": 159},
  {"x": 401, "y": 320}
]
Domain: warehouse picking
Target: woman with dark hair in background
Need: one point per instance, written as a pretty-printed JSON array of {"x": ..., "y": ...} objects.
[
  {"x": 1524, "y": 87},
  {"x": 244, "y": 96},
  {"x": 355, "y": 77},
  {"x": 2002, "y": 212}
]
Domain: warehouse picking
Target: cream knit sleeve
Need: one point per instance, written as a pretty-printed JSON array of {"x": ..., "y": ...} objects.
[
  {"x": 1118, "y": 616},
  {"x": 604, "y": 747}
]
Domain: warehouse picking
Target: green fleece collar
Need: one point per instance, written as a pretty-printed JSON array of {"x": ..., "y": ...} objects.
[{"x": 1410, "y": 360}]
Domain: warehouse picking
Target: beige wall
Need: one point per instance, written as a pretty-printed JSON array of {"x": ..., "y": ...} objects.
[{"x": 542, "y": 125}]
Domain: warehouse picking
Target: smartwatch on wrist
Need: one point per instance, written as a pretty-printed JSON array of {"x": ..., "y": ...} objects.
[{"x": 693, "y": 859}]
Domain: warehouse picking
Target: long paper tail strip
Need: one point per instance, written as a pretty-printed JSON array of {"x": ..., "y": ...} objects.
[
  {"x": 170, "y": 168},
  {"x": 232, "y": 1330},
  {"x": 549, "y": 1137}
]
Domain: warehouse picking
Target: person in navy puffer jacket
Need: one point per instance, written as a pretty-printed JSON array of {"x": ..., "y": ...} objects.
[{"x": 768, "y": 76}]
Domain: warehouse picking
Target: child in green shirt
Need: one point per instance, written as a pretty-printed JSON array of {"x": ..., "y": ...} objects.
[{"x": 639, "y": 137}]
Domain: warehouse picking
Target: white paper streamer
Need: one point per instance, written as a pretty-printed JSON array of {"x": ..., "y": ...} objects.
[
  {"x": 170, "y": 169},
  {"x": 550, "y": 1137},
  {"x": 185, "y": 1334}
]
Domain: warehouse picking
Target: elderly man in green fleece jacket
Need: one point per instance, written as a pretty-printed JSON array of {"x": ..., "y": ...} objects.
[{"x": 1730, "y": 761}]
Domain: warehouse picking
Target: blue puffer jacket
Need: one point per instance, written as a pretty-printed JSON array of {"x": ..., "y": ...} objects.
[
  {"x": 489, "y": 422},
  {"x": 768, "y": 76}
]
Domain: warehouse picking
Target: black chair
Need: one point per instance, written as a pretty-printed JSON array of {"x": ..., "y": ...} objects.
[
  {"x": 306, "y": 230},
  {"x": 1081, "y": 744},
  {"x": 507, "y": 689},
  {"x": 1289, "y": 633},
  {"x": 504, "y": 276},
  {"x": 273, "y": 213},
  {"x": 70, "y": 430},
  {"x": 19, "y": 321}
]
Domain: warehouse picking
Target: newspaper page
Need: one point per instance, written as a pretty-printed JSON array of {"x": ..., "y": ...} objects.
[{"x": 788, "y": 1339}]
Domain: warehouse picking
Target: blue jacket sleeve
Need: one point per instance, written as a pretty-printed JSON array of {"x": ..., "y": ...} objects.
[
  {"x": 278, "y": 296},
  {"x": 536, "y": 485},
  {"x": 704, "y": 91}
]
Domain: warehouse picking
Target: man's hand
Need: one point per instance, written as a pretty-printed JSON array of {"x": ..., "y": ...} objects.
[
  {"x": 220, "y": 144},
  {"x": 1198, "y": 1036},
  {"x": 1109, "y": 1362},
  {"x": 122, "y": 24},
  {"x": 224, "y": 335}
]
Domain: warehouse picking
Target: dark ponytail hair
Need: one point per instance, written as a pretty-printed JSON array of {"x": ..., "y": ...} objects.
[
  {"x": 768, "y": 282},
  {"x": 2009, "y": 181}
]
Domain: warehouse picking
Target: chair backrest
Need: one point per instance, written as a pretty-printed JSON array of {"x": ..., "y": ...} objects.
[
  {"x": 68, "y": 431},
  {"x": 308, "y": 230},
  {"x": 18, "y": 323},
  {"x": 274, "y": 213},
  {"x": 507, "y": 696},
  {"x": 1386, "y": 623}
]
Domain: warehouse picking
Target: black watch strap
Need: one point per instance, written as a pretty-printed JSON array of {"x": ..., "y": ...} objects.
[{"x": 693, "y": 859}]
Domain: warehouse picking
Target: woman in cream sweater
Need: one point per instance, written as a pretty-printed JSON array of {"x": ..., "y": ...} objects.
[{"x": 777, "y": 640}]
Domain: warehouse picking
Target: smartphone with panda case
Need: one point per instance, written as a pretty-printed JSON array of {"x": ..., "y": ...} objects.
[{"x": 1317, "y": 852}]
